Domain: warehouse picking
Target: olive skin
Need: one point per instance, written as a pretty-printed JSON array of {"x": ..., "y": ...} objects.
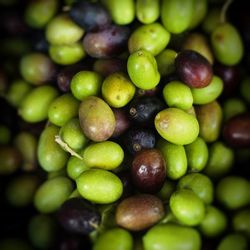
[
  {"x": 193, "y": 68},
  {"x": 97, "y": 119},
  {"x": 139, "y": 212},
  {"x": 148, "y": 170},
  {"x": 236, "y": 131}
]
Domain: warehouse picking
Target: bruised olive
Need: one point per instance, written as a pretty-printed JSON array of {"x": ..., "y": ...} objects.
[
  {"x": 236, "y": 131},
  {"x": 77, "y": 215},
  {"x": 97, "y": 119},
  {"x": 106, "y": 43},
  {"x": 136, "y": 139},
  {"x": 193, "y": 68},
  {"x": 139, "y": 212},
  {"x": 148, "y": 170}
]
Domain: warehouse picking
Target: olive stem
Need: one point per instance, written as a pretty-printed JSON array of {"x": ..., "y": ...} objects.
[
  {"x": 224, "y": 10},
  {"x": 66, "y": 147}
]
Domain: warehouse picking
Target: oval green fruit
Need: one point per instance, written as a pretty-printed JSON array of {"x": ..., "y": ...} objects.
[
  {"x": 177, "y": 126},
  {"x": 52, "y": 193},
  {"x": 99, "y": 186},
  {"x": 35, "y": 105},
  {"x": 175, "y": 158},
  {"x": 142, "y": 69},
  {"x": 51, "y": 156},
  {"x": 150, "y": 37},
  {"x": 118, "y": 90},
  {"x": 227, "y": 44},
  {"x": 115, "y": 238},
  {"x": 147, "y": 11},
  {"x": 187, "y": 207},
  {"x": 110, "y": 155},
  {"x": 171, "y": 237},
  {"x": 176, "y": 15}
]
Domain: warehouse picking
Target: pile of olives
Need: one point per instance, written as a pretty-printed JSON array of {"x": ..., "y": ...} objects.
[{"x": 125, "y": 125}]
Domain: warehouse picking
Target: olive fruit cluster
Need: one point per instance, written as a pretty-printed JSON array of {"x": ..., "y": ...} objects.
[{"x": 132, "y": 124}]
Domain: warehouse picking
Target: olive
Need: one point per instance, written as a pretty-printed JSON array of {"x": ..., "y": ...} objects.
[
  {"x": 148, "y": 170},
  {"x": 139, "y": 212}
]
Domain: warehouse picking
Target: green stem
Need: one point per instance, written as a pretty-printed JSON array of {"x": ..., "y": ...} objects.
[{"x": 224, "y": 10}]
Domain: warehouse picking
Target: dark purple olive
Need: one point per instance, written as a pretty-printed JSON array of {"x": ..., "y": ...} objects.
[
  {"x": 136, "y": 139},
  {"x": 78, "y": 216},
  {"x": 193, "y": 69},
  {"x": 236, "y": 131},
  {"x": 65, "y": 75},
  {"x": 122, "y": 121},
  {"x": 143, "y": 110},
  {"x": 139, "y": 212},
  {"x": 148, "y": 170},
  {"x": 90, "y": 16},
  {"x": 230, "y": 76},
  {"x": 106, "y": 43},
  {"x": 108, "y": 66}
]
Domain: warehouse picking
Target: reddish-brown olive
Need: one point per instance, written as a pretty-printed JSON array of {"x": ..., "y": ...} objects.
[
  {"x": 193, "y": 69},
  {"x": 236, "y": 131},
  {"x": 148, "y": 170},
  {"x": 139, "y": 212}
]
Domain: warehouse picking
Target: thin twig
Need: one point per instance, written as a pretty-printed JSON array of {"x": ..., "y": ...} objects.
[
  {"x": 66, "y": 147},
  {"x": 224, "y": 10}
]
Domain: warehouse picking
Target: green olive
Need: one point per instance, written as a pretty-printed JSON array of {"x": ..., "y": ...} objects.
[
  {"x": 197, "y": 155},
  {"x": 35, "y": 105},
  {"x": 85, "y": 83},
  {"x": 175, "y": 158},
  {"x": 177, "y": 126},
  {"x": 233, "y": 241},
  {"x": 176, "y": 15},
  {"x": 151, "y": 37},
  {"x": 214, "y": 223},
  {"x": 67, "y": 54},
  {"x": 51, "y": 156},
  {"x": 118, "y": 90},
  {"x": 61, "y": 30},
  {"x": 116, "y": 238},
  {"x": 122, "y": 12},
  {"x": 75, "y": 167},
  {"x": 17, "y": 91},
  {"x": 110, "y": 155},
  {"x": 52, "y": 193},
  {"x": 187, "y": 207},
  {"x": 72, "y": 134},
  {"x": 241, "y": 221},
  {"x": 142, "y": 69},
  {"x": 38, "y": 13},
  {"x": 63, "y": 109},
  {"x": 209, "y": 93},
  {"x": 200, "y": 184},
  {"x": 147, "y": 11},
  {"x": 233, "y": 192},
  {"x": 171, "y": 236},
  {"x": 177, "y": 94},
  {"x": 227, "y": 44},
  {"x": 99, "y": 186},
  {"x": 166, "y": 61},
  {"x": 218, "y": 166},
  {"x": 21, "y": 189}
]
